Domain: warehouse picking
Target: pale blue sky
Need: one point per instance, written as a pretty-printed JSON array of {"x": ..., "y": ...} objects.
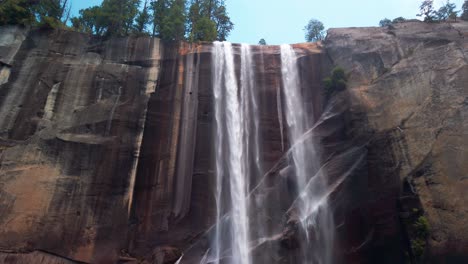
[{"x": 282, "y": 21}]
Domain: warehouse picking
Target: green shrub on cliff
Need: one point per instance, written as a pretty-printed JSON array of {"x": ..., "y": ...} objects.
[
  {"x": 336, "y": 82},
  {"x": 420, "y": 232},
  {"x": 417, "y": 246},
  {"x": 421, "y": 227}
]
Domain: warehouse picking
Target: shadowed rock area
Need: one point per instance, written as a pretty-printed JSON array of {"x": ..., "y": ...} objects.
[{"x": 106, "y": 145}]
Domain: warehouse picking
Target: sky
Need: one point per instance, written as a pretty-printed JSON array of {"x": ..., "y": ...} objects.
[{"x": 282, "y": 21}]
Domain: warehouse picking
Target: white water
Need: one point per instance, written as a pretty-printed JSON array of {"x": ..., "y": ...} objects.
[
  {"x": 233, "y": 109},
  {"x": 238, "y": 161},
  {"x": 313, "y": 210}
]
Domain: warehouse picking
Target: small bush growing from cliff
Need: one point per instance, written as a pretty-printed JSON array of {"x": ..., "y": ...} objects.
[
  {"x": 418, "y": 245},
  {"x": 418, "y": 241},
  {"x": 421, "y": 227},
  {"x": 336, "y": 82}
]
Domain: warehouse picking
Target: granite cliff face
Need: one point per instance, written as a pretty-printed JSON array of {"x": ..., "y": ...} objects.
[
  {"x": 106, "y": 151},
  {"x": 410, "y": 81}
]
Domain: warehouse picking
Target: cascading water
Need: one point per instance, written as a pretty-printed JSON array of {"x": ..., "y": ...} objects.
[
  {"x": 314, "y": 215},
  {"x": 243, "y": 211},
  {"x": 237, "y": 130}
]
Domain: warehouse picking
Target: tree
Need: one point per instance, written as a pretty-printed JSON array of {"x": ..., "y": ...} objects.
[
  {"x": 52, "y": 13},
  {"x": 205, "y": 20},
  {"x": 262, "y": 42},
  {"x": 204, "y": 11},
  {"x": 385, "y": 22},
  {"x": 111, "y": 18},
  {"x": 427, "y": 11},
  {"x": 142, "y": 20},
  {"x": 119, "y": 16},
  {"x": 16, "y": 12},
  {"x": 48, "y": 13},
  {"x": 205, "y": 30},
  {"x": 91, "y": 21},
  {"x": 160, "y": 9},
  {"x": 464, "y": 15},
  {"x": 314, "y": 31},
  {"x": 223, "y": 22},
  {"x": 173, "y": 25},
  {"x": 193, "y": 20},
  {"x": 398, "y": 20},
  {"x": 447, "y": 11}
]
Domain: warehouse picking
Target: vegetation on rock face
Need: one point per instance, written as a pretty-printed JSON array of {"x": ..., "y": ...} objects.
[
  {"x": 421, "y": 231},
  {"x": 336, "y": 82},
  {"x": 314, "y": 31},
  {"x": 262, "y": 42},
  {"x": 421, "y": 226}
]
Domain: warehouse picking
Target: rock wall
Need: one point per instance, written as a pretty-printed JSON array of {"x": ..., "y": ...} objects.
[
  {"x": 409, "y": 87},
  {"x": 72, "y": 116}
]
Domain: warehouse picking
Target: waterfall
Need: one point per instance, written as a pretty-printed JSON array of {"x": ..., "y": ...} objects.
[
  {"x": 236, "y": 114},
  {"x": 243, "y": 217},
  {"x": 314, "y": 214}
]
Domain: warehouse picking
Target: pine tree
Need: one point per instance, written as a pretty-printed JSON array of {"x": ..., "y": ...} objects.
[
  {"x": 52, "y": 13},
  {"x": 427, "y": 11},
  {"x": 447, "y": 11},
  {"x": 160, "y": 9},
  {"x": 119, "y": 16},
  {"x": 223, "y": 22},
  {"x": 91, "y": 21},
  {"x": 464, "y": 15},
  {"x": 16, "y": 12},
  {"x": 200, "y": 26},
  {"x": 142, "y": 20},
  {"x": 173, "y": 25}
]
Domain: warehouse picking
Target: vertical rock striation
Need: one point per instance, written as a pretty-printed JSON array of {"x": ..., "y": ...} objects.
[{"x": 71, "y": 118}]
